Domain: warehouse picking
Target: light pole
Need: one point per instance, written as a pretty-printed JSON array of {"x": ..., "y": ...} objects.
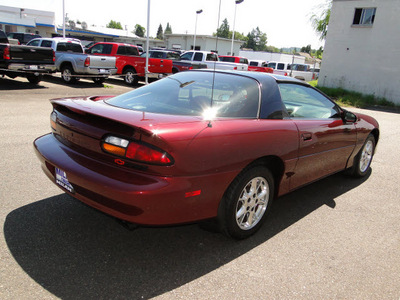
[
  {"x": 234, "y": 19},
  {"x": 195, "y": 28},
  {"x": 63, "y": 19},
  {"x": 146, "y": 70}
]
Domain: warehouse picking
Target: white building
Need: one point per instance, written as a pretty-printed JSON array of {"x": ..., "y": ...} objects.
[
  {"x": 203, "y": 42},
  {"x": 15, "y": 19},
  {"x": 270, "y": 56},
  {"x": 362, "y": 48}
]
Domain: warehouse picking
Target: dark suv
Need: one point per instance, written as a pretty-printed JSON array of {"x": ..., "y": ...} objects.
[{"x": 23, "y": 38}]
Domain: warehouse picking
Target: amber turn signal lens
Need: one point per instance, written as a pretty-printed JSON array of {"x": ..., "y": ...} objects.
[{"x": 114, "y": 149}]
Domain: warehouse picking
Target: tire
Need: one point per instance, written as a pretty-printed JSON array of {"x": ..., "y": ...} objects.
[
  {"x": 130, "y": 76},
  {"x": 67, "y": 73},
  {"x": 362, "y": 162},
  {"x": 34, "y": 79},
  {"x": 99, "y": 80},
  {"x": 245, "y": 204}
]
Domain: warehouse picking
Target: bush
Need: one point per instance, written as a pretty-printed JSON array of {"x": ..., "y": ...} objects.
[{"x": 351, "y": 98}]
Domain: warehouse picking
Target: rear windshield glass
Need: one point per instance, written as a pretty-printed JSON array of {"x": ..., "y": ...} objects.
[
  {"x": 71, "y": 47},
  {"x": 204, "y": 94},
  {"x": 228, "y": 59}
]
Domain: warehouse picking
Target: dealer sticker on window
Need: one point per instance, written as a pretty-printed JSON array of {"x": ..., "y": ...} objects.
[{"x": 61, "y": 180}]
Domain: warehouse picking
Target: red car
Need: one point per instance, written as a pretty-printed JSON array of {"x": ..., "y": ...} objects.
[
  {"x": 129, "y": 63},
  {"x": 202, "y": 145}
]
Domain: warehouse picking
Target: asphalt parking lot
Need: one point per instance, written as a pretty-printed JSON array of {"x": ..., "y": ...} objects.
[{"x": 338, "y": 238}]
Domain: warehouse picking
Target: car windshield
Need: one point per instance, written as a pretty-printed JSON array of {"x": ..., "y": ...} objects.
[{"x": 204, "y": 94}]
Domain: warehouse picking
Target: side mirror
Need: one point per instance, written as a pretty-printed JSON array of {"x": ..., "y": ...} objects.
[{"x": 348, "y": 117}]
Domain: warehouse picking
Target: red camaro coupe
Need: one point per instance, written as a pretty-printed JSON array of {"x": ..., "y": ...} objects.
[{"x": 202, "y": 145}]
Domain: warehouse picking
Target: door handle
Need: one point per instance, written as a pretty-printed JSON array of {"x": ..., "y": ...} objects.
[{"x": 306, "y": 136}]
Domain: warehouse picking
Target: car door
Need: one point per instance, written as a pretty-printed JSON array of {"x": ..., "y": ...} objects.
[{"x": 325, "y": 140}]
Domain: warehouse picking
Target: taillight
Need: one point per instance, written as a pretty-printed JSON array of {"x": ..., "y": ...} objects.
[
  {"x": 6, "y": 53},
  {"x": 54, "y": 56},
  {"x": 235, "y": 68},
  {"x": 87, "y": 61},
  {"x": 53, "y": 120},
  {"x": 137, "y": 151}
]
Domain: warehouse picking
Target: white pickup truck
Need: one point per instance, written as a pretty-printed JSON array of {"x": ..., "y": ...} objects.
[
  {"x": 212, "y": 61},
  {"x": 73, "y": 63},
  {"x": 299, "y": 71}
]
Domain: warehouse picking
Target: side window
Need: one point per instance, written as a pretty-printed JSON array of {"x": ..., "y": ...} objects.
[
  {"x": 46, "y": 43},
  {"x": 281, "y": 66},
  {"x": 198, "y": 56},
  {"x": 121, "y": 50},
  {"x": 306, "y": 103},
  {"x": 132, "y": 51},
  {"x": 187, "y": 56},
  {"x": 35, "y": 43}
]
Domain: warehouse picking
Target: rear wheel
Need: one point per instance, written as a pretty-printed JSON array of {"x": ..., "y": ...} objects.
[
  {"x": 130, "y": 76},
  {"x": 362, "y": 162},
  {"x": 67, "y": 74},
  {"x": 32, "y": 78},
  {"x": 246, "y": 203}
]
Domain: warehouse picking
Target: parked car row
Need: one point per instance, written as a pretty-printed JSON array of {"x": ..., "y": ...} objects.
[{"x": 100, "y": 60}]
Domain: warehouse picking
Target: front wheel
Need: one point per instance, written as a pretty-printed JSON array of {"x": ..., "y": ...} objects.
[
  {"x": 245, "y": 204},
  {"x": 362, "y": 162},
  {"x": 130, "y": 76}
]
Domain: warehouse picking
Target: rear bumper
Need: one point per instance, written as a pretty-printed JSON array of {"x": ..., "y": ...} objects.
[
  {"x": 99, "y": 71},
  {"x": 32, "y": 68},
  {"x": 131, "y": 195}
]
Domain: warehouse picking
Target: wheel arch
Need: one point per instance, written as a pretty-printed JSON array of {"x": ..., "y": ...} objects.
[
  {"x": 375, "y": 133},
  {"x": 66, "y": 63},
  {"x": 273, "y": 163},
  {"x": 128, "y": 67}
]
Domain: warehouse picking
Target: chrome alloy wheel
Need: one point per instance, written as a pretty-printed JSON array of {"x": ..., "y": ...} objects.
[
  {"x": 366, "y": 155},
  {"x": 252, "y": 203},
  {"x": 67, "y": 75}
]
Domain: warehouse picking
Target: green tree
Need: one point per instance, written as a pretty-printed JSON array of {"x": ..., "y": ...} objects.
[
  {"x": 160, "y": 35},
  {"x": 114, "y": 24},
  {"x": 139, "y": 30},
  {"x": 320, "y": 21},
  {"x": 256, "y": 40},
  {"x": 168, "y": 29},
  {"x": 223, "y": 30},
  {"x": 306, "y": 49}
]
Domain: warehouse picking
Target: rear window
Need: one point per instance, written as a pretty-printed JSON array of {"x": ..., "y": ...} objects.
[
  {"x": 227, "y": 59},
  {"x": 196, "y": 94},
  {"x": 173, "y": 55},
  {"x": 72, "y": 47}
]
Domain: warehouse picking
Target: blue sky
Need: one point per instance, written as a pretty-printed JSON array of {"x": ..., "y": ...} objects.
[{"x": 286, "y": 22}]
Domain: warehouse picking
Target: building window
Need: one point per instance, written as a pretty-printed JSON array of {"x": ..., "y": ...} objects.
[{"x": 364, "y": 16}]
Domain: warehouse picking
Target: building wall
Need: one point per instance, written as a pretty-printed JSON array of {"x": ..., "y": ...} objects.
[
  {"x": 269, "y": 56},
  {"x": 363, "y": 58},
  {"x": 205, "y": 42}
]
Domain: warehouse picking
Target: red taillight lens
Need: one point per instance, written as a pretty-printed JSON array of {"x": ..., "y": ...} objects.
[
  {"x": 87, "y": 61},
  {"x": 54, "y": 56},
  {"x": 6, "y": 53},
  {"x": 135, "y": 151},
  {"x": 144, "y": 153}
]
